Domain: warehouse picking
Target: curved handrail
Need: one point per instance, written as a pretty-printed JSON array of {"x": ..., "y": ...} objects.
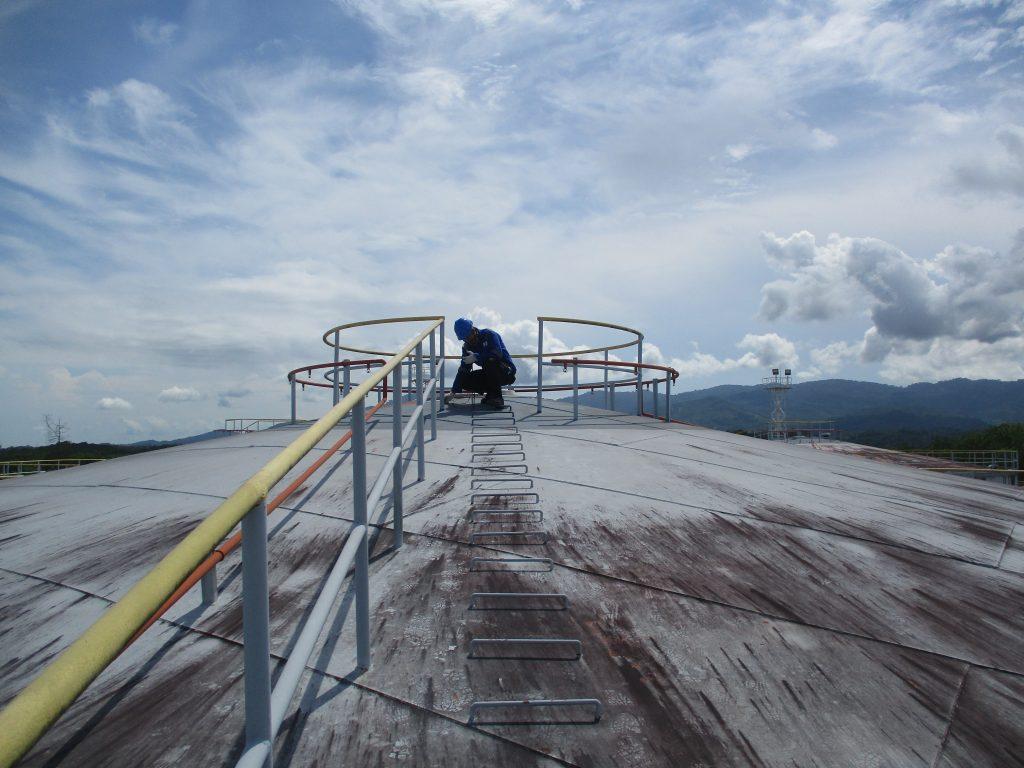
[
  {"x": 523, "y": 355},
  {"x": 24, "y": 720},
  {"x": 293, "y": 374}
]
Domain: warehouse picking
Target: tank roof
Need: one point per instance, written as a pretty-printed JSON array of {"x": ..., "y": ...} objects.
[{"x": 738, "y": 602}]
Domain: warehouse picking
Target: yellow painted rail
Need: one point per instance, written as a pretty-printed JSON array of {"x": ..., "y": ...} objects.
[{"x": 37, "y": 707}]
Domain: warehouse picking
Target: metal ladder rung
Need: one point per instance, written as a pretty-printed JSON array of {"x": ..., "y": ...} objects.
[
  {"x": 534, "y": 498},
  {"x": 522, "y": 596},
  {"x": 475, "y": 561},
  {"x": 506, "y": 470},
  {"x": 496, "y": 482},
  {"x": 475, "y": 538},
  {"x": 477, "y": 706},
  {"x": 498, "y": 446},
  {"x": 499, "y": 459},
  {"x": 531, "y": 642},
  {"x": 517, "y": 515}
]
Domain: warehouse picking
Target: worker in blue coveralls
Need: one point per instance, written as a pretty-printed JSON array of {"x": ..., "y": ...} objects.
[{"x": 482, "y": 347}]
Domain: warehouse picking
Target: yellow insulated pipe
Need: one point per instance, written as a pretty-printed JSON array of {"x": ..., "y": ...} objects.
[{"x": 27, "y": 717}]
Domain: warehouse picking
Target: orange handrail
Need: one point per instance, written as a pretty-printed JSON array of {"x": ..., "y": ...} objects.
[{"x": 223, "y": 550}]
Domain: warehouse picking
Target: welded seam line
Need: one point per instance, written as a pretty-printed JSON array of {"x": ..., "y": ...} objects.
[
  {"x": 952, "y": 716},
  {"x": 1006, "y": 546}
]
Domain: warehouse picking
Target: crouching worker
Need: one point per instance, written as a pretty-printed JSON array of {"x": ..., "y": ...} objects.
[{"x": 483, "y": 347}]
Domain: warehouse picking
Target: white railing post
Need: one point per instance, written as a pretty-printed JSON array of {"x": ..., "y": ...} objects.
[
  {"x": 656, "y": 398},
  {"x": 337, "y": 382},
  {"x": 421, "y": 456},
  {"x": 208, "y": 585},
  {"x": 441, "y": 394},
  {"x": 396, "y": 441},
  {"x": 433, "y": 393},
  {"x": 293, "y": 399},
  {"x": 540, "y": 362},
  {"x": 639, "y": 377},
  {"x": 575, "y": 390},
  {"x": 256, "y": 628},
  {"x": 362, "y": 577},
  {"x": 606, "y": 381}
]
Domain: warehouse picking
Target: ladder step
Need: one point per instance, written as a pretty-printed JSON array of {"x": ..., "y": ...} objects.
[
  {"x": 575, "y": 647},
  {"x": 493, "y": 564},
  {"x": 482, "y": 516},
  {"x": 501, "y": 499},
  {"x": 593, "y": 705},
  {"x": 510, "y": 469},
  {"x": 518, "y": 599},
  {"x": 498, "y": 483},
  {"x": 526, "y": 538}
]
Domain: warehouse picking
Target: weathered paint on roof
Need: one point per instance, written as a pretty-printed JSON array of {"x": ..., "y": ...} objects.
[{"x": 739, "y": 603}]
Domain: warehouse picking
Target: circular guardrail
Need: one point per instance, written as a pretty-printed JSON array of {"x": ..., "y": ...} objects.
[{"x": 576, "y": 359}]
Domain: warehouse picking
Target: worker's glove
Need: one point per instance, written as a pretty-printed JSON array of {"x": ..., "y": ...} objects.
[
  {"x": 469, "y": 358},
  {"x": 448, "y": 398}
]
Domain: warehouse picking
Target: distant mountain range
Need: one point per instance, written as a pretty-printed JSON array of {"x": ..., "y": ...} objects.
[{"x": 864, "y": 411}]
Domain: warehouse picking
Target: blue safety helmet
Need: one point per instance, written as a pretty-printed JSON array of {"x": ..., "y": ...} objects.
[{"x": 463, "y": 328}]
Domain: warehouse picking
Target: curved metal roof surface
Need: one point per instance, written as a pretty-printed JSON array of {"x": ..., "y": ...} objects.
[{"x": 738, "y": 602}]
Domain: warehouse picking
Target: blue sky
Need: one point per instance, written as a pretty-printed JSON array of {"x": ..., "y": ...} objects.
[{"x": 190, "y": 193}]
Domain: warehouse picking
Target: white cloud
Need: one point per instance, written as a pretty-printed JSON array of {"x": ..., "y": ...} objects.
[
  {"x": 926, "y": 315},
  {"x": 179, "y": 395},
  {"x": 762, "y": 351},
  {"x": 155, "y": 32},
  {"x": 131, "y": 427},
  {"x": 822, "y": 139},
  {"x": 113, "y": 404},
  {"x": 739, "y": 151},
  {"x": 963, "y": 292},
  {"x": 831, "y": 358}
]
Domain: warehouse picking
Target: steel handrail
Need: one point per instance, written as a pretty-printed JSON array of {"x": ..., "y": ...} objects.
[
  {"x": 541, "y": 319},
  {"x": 24, "y": 720}
]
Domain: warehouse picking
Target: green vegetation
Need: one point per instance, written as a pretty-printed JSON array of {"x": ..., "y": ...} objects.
[
  {"x": 1009, "y": 436},
  {"x": 68, "y": 450}
]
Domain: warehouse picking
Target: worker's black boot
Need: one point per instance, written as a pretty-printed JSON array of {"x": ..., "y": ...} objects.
[{"x": 495, "y": 401}]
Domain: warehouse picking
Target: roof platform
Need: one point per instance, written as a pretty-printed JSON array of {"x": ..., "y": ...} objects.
[{"x": 737, "y": 602}]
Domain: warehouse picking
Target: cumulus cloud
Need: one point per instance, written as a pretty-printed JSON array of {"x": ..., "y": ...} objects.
[
  {"x": 179, "y": 395},
  {"x": 761, "y": 351},
  {"x": 965, "y": 296},
  {"x": 963, "y": 292},
  {"x": 113, "y": 404}
]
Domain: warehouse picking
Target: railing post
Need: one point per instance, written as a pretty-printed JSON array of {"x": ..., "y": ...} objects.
[
  {"x": 396, "y": 473},
  {"x": 347, "y": 379},
  {"x": 540, "y": 362},
  {"x": 337, "y": 384},
  {"x": 655, "y": 398},
  {"x": 421, "y": 456},
  {"x": 433, "y": 393},
  {"x": 668, "y": 399},
  {"x": 256, "y": 628},
  {"x": 209, "y": 586},
  {"x": 639, "y": 377},
  {"x": 575, "y": 391},
  {"x": 606, "y": 381},
  {"x": 441, "y": 391},
  {"x": 362, "y": 577},
  {"x": 293, "y": 400}
]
